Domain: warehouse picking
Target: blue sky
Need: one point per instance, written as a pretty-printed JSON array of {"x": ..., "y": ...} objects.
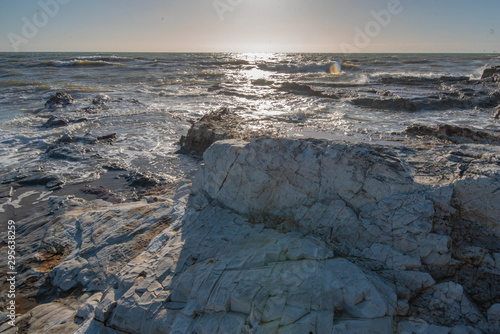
[{"x": 251, "y": 25}]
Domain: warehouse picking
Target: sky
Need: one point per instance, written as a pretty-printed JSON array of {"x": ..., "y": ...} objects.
[{"x": 250, "y": 25}]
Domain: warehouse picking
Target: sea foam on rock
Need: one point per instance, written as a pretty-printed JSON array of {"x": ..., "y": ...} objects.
[{"x": 309, "y": 236}]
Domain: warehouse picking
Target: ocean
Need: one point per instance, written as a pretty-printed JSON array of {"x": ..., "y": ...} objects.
[{"x": 149, "y": 100}]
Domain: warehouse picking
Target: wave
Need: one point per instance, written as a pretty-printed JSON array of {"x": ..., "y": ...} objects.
[
  {"x": 76, "y": 62},
  {"x": 104, "y": 58},
  {"x": 87, "y": 61}
]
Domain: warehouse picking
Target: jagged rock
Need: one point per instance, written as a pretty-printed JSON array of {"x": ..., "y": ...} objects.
[
  {"x": 390, "y": 104},
  {"x": 58, "y": 100},
  {"x": 145, "y": 180},
  {"x": 489, "y": 72},
  {"x": 100, "y": 103},
  {"x": 218, "y": 125},
  {"x": 456, "y": 134}
]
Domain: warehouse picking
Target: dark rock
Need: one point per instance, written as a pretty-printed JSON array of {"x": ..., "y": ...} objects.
[
  {"x": 107, "y": 139},
  {"x": 455, "y": 134},
  {"x": 103, "y": 193},
  {"x": 489, "y": 72},
  {"x": 5, "y": 191},
  {"x": 79, "y": 120},
  {"x": 482, "y": 286},
  {"x": 56, "y": 184},
  {"x": 87, "y": 139},
  {"x": 101, "y": 100},
  {"x": 58, "y": 100},
  {"x": 387, "y": 104},
  {"x": 217, "y": 125},
  {"x": 497, "y": 114},
  {"x": 55, "y": 121},
  {"x": 114, "y": 167},
  {"x": 41, "y": 179},
  {"x": 214, "y": 87},
  {"x": 439, "y": 102},
  {"x": 75, "y": 148},
  {"x": 144, "y": 180},
  {"x": 8, "y": 178},
  {"x": 422, "y": 81},
  {"x": 387, "y": 93},
  {"x": 70, "y": 152},
  {"x": 299, "y": 89}
]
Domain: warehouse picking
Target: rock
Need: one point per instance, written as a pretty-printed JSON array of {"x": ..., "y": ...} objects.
[
  {"x": 58, "y": 100},
  {"x": 389, "y": 104},
  {"x": 494, "y": 314},
  {"x": 217, "y": 125},
  {"x": 55, "y": 121},
  {"x": 497, "y": 113},
  {"x": 266, "y": 240},
  {"x": 456, "y": 134},
  {"x": 489, "y": 72},
  {"x": 299, "y": 89},
  {"x": 106, "y": 139},
  {"x": 289, "y": 236},
  {"x": 103, "y": 193},
  {"x": 48, "y": 318},
  {"x": 101, "y": 100},
  {"x": 76, "y": 148},
  {"x": 144, "y": 180},
  {"x": 5, "y": 191},
  {"x": 41, "y": 179},
  {"x": 87, "y": 309},
  {"x": 446, "y": 304},
  {"x": 100, "y": 103}
]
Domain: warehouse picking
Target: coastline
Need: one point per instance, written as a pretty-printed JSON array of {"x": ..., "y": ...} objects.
[{"x": 393, "y": 232}]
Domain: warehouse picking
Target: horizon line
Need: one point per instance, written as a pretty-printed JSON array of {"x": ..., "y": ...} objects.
[{"x": 258, "y": 52}]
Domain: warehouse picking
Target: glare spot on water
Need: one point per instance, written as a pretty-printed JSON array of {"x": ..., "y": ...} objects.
[{"x": 336, "y": 68}]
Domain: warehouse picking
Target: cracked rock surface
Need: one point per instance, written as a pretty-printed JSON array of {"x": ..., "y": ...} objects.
[{"x": 310, "y": 236}]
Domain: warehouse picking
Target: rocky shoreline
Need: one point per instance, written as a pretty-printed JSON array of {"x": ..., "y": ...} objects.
[
  {"x": 269, "y": 235},
  {"x": 280, "y": 236}
]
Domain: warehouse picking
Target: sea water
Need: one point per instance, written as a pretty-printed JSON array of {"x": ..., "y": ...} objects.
[{"x": 155, "y": 97}]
